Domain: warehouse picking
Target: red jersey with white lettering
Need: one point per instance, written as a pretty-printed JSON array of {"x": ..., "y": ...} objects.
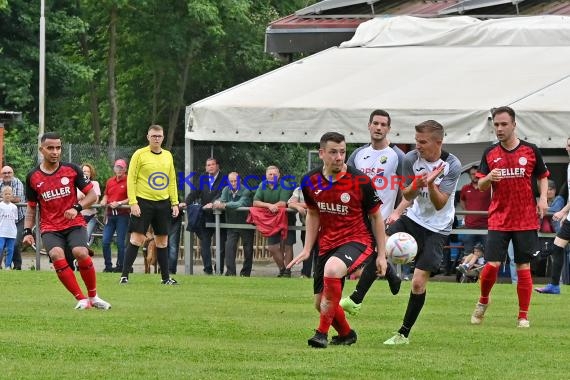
[
  {"x": 54, "y": 194},
  {"x": 513, "y": 204},
  {"x": 343, "y": 207}
]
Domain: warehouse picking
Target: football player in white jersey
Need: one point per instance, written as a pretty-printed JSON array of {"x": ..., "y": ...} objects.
[
  {"x": 382, "y": 162},
  {"x": 431, "y": 181}
]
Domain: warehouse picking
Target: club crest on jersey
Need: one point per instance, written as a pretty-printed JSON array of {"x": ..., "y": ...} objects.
[
  {"x": 345, "y": 197},
  {"x": 383, "y": 159},
  {"x": 64, "y": 181},
  {"x": 522, "y": 161}
]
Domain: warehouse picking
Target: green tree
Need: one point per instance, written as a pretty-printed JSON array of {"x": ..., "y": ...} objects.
[{"x": 113, "y": 67}]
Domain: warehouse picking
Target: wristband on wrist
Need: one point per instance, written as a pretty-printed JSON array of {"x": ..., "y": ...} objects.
[
  {"x": 28, "y": 231},
  {"x": 77, "y": 207}
]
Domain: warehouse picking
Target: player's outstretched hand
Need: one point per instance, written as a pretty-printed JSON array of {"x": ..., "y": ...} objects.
[{"x": 304, "y": 255}]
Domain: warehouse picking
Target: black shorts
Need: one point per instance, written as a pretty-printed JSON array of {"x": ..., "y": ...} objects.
[
  {"x": 290, "y": 239},
  {"x": 430, "y": 244},
  {"x": 352, "y": 254},
  {"x": 71, "y": 238},
  {"x": 564, "y": 232},
  {"x": 525, "y": 245},
  {"x": 153, "y": 213}
]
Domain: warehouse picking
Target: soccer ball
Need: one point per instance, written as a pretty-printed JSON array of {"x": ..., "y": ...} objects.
[{"x": 401, "y": 248}]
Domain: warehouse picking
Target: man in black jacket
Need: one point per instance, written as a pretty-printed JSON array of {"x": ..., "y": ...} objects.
[{"x": 208, "y": 188}]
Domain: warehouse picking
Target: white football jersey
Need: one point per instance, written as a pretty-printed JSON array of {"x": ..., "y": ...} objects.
[
  {"x": 422, "y": 210},
  {"x": 382, "y": 166}
]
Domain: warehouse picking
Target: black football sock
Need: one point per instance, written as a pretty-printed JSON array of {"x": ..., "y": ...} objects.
[
  {"x": 415, "y": 305},
  {"x": 367, "y": 278},
  {"x": 557, "y": 254},
  {"x": 130, "y": 256},
  {"x": 162, "y": 257}
]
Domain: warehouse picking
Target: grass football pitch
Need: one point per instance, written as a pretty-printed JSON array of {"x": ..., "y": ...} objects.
[{"x": 213, "y": 327}]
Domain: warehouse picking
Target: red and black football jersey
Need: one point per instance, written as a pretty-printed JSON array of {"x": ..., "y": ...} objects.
[
  {"x": 343, "y": 207},
  {"x": 513, "y": 204},
  {"x": 54, "y": 193}
]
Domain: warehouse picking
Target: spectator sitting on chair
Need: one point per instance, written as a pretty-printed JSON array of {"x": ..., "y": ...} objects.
[{"x": 473, "y": 260}]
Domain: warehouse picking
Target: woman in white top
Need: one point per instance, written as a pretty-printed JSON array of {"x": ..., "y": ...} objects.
[{"x": 89, "y": 213}]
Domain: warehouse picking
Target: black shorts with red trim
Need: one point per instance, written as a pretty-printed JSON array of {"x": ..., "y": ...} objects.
[{"x": 353, "y": 254}]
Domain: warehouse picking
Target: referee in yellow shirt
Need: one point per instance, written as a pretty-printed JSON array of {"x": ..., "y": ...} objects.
[{"x": 153, "y": 197}]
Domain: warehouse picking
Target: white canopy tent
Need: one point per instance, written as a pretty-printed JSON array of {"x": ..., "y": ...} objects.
[{"x": 453, "y": 70}]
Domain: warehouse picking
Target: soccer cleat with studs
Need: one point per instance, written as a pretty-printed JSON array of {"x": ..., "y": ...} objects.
[
  {"x": 397, "y": 339},
  {"x": 170, "y": 281},
  {"x": 350, "y": 306},
  {"x": 83, "y": 304},
  {"x": 346, "y": 340},
  {"x": 99, "y": 303},
  {"x": 319, "y": 340},
  {"x": 478, "y": 313}
]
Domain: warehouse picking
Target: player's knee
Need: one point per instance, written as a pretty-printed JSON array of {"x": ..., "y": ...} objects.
[
  {"x": 161, "y": 241},
  {"x": 80, "y": 253},
  {"x": 137, "y": 239},
  {"x": 56, "y": 253}
]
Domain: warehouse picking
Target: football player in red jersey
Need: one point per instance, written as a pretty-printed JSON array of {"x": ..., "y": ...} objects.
[
  {"x": 509, "y": 167},
  {"x": 344, "y": 213},
  {"x": 52, "y": 186}
]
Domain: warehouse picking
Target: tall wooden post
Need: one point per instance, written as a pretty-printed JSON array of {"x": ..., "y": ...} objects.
[{"x": 1, "y": 144}]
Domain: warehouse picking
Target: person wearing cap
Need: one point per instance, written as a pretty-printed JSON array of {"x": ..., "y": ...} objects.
[{"x": 117, "y": 217}]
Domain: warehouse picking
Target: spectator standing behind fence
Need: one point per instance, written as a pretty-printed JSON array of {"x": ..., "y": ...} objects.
[
  {"x": 560, "y": 241},
  {"x": 509, "y": 167},
  {"x": 52, "y": 186},
  {"x": 272, "y": 194},
  {"x": 90, "y": 213},
  {"x": 174, "y": 232},
  {"x": 297, "y": 202},
  {"x": 472, "y": 198},
  {"x": 8, "y": 230},
  {"x": 18, "y": 196},
  {"x": 234, "y": 196},
  {"x": 117, "y": 217},
  {"x": 207, "y": 188},
  {"x": 153, "y": 197}
]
